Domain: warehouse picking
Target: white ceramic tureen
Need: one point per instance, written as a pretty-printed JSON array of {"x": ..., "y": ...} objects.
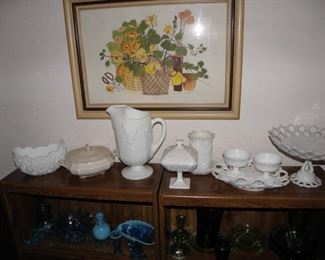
[{"x": 88, "y": 161}]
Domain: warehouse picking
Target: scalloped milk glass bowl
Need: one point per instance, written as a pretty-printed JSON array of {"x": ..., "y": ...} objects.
[
  {"x": 39, "y": 160},
  {"x": 267, "y": 162},
  {"x": 236, "y": 157}
]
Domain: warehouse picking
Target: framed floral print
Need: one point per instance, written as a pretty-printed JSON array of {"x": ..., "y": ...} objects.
[{"x": 178, "y": 59}]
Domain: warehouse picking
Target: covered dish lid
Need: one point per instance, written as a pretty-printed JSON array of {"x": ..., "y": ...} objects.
[
  {"x": 88, "y": 160},
  {"x": 88, "y": 154}
]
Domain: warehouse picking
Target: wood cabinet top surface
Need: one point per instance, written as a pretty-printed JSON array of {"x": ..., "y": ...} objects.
[
  {"x": 205, "y": 190},
  {"x": 108, "y": 186}
]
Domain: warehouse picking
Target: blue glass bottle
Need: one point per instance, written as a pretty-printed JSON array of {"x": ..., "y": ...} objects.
[{"x": 101, "y": 229}]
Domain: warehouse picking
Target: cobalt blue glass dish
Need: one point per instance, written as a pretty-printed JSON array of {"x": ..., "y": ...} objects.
[{"x": 135, "y": 230}]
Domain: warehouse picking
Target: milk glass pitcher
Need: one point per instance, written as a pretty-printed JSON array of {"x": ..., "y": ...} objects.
[
  {"x": 134, "y": 138},
  {"x": 202, "y": 141}
]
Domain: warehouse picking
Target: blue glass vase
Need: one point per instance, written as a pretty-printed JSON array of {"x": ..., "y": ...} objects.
[{"x": 101, "y": 229}]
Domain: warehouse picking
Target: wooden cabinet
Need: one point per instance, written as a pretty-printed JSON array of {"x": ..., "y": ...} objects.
[
  {"x": 149, "y": 200},
  {"x": 119, "y": 199},
  {"x": 264, "y": 209}
]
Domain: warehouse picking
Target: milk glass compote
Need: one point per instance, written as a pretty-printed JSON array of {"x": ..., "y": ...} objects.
[
  {"x": 236, "y": 158},
  {"x": 267, "y": 162}
]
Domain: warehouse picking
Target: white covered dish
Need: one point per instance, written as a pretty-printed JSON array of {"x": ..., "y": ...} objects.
[
  {"x": 180, "y": 158},
  {"x": 88, "y": 161}
]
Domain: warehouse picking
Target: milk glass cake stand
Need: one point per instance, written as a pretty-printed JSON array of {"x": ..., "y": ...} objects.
[{"x": 304, "y": 142}]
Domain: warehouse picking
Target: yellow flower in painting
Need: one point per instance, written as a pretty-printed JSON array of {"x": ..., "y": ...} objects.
[
  {"x": 151, "y": 20},
  {"x": 177, "y": 78},
  {"x": 168, "y": 30},
  {"x": 152, "y": 48},
  {"x": 141, "y": 55},
  {"x": 121, "y": 70},
  {"x": 125, "y": 47},
  {"x": 152, "y": 67},
  {"x": 132, "y": 35},
  {"x": 118, "y": 40},
  {"x": 134, "y": 46},
  {"x": 117, "y": 57},
  {"x": 109, "y": 88},
  {"x": 130, "y": 47}
]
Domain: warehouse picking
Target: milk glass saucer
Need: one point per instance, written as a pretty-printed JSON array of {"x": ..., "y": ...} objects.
[{"x": 250, "y": 179}]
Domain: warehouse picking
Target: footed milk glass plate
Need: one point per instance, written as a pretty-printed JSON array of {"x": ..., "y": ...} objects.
[
  {"x": 303, "y": 142},
  {"x": 250, "y": 179}
]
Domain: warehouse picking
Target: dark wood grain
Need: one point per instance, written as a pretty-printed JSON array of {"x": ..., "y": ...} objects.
[
  {"x": 150, "y": 200},
  {"x": 118, "y": 198},
  {"x": 209, "y": 192},
  {"x": 264, "y": 209},
  {"x": 109, "y": 186}
]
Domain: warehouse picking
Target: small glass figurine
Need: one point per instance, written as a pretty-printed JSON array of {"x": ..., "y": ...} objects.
[
  {"x": 179, "y": 249},
  {"x": 44, "y": 223},
  {"x": 101, "y": 229}
]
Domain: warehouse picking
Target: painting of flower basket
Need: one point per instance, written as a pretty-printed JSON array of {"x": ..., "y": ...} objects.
[{"x": 176, "y": 59}]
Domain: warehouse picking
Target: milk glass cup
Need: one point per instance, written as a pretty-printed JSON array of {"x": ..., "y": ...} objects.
[
  {"x": 267, "y": 162},
  {"x": 236, "y": 158}
]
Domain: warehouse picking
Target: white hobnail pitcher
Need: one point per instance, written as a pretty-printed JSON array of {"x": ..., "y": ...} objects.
[{"x": 134, "y": 139}]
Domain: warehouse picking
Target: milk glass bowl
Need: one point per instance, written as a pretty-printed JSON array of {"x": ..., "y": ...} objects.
[
  {"x": 267, "y": 162},
  {"x": 39, "y": 160},
  {"x": 236, "y": 158}
]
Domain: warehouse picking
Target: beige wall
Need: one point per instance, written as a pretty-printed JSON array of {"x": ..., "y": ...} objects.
[{"x": 283, "y": 79}]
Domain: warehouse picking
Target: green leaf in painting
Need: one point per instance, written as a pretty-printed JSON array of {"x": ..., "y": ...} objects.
[
  {"x": 116, "y": 34},
  {"x": 181, "y": 51},
  {"x": 142, "y": 27},
  {"x": 138, "y": 70},
  {"x": 133, "y": 23},
  {"x": 118, "y": 79},
  {"x": 158, "y": 54},
  {"x": 186, "y": 65},
  {"x": 111, "y": 46},
  {"x": 178, "y": 36},
  {"x": 200, "y": 63},
  {"x": 190, "y": 46},
  {"x": 173, "y": 47},
  {"x": 153, "y": 36},
  {"x": 107, "y": 63},
  {"x": 145, "y": 44},
  {"x": 166, "y": 44},
  {"x": 204, "y": 70},
  {"x": 169, "y": 63}
]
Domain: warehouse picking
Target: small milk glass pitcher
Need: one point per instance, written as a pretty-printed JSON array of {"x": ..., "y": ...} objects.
[{"x": 202, "y": 141}]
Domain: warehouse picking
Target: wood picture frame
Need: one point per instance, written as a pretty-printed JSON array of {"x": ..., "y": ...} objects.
[{"x": 179, "y": 59}]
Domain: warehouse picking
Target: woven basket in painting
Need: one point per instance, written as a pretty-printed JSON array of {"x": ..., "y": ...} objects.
[
  {"x": 132, "y": 82},
  {"x": 156, "y": 84}
]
